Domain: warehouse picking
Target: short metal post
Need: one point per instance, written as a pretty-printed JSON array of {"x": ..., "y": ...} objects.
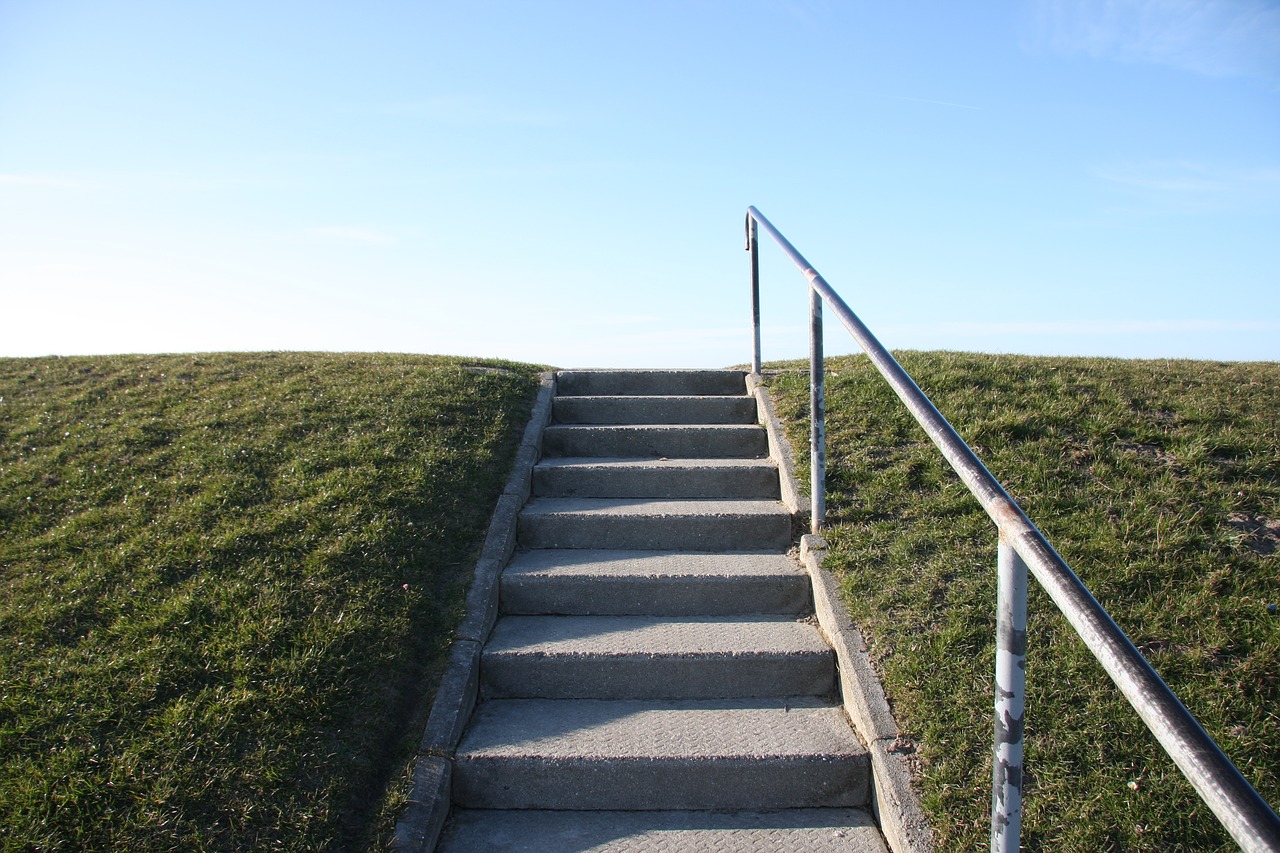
[
  {"x": 818, "y": 415},
  {"x": 754, "y": 248},
  {"x": 1010, "y": 699}
]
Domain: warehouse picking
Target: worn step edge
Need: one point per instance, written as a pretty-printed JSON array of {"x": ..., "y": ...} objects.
[
  {"x": 689, "y": 441},
  {"x": 621, "y": 523},
  {"x": 658, "y": 383},
  {"x": 613, "y": 657},
  {"x": 654, "y": 410},
  {"x": 795, "y": 752},
  {"x": 661, "y": 583},
  {"x": 670, "y": 478}
]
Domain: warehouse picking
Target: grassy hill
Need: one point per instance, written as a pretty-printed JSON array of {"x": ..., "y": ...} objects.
[
  {"x": 226, "y": 583},
  {"x": 1159, "y": 482}
]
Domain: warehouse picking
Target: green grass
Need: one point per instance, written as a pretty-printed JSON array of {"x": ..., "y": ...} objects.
[
  {"x": 226, "y": 584},
  {"x": 1159, "y": 483}
]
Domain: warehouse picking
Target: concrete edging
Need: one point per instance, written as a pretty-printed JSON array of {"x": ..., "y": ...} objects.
[
  {"x": 894, "y": 803},
  {"x": 419, "y": 826},
  {"x": 780, "y": 449}
]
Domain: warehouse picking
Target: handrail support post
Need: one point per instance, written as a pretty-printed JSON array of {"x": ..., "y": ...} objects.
[
  {"x": 754, "y": 248},
  {"x": 1010, "y": 699},
  {"x": 818, "y": 414}
]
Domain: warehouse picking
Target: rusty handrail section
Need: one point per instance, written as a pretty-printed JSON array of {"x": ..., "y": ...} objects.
[{"x": 1022, "y": 547}]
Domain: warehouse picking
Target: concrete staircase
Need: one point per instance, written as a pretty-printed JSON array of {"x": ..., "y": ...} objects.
[{"x": 656, "y": 680}]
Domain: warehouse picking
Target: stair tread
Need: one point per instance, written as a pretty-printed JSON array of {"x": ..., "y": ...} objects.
[
  {"x": 650, "y": 382},
  {"x": 613, "y": 636},
  {"x": 673, "y": 507},
  {"x": 783, "y": 831},
  {"x": 589, "y": 563},
  {"x": 686, "y": 730},
  {"x": 613, "y": 462},
  {"x": 654, "y": 409}
]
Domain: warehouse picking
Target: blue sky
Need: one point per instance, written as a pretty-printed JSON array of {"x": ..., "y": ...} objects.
[{"x": 565, "y": 182}]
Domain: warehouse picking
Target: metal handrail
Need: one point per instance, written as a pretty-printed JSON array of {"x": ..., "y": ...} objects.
[{"x": 1240, "y": 809}]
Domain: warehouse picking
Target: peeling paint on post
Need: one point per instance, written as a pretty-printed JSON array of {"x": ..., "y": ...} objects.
[{"x": 1010, "y": 693}]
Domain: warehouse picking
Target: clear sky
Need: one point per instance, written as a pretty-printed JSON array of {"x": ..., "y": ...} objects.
[{"x": 565, "y": 182}]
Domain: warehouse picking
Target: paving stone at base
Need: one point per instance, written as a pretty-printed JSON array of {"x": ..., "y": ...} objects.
[{"x": 789, "y": 831}]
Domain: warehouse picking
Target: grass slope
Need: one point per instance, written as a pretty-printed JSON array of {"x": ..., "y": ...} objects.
[
  {"x": 1159, "y": 482},
  {"x": 226, "y": 583}
]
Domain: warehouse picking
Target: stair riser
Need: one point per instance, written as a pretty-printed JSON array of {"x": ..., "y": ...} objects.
[
  {"x": 689, "y": 533},
  {"x": 607, "y": 596},
  {"x": 654, "y": 442},
  {"x": 657, "y": 482},
  {"x": 649, "y": 677},
  {"x": 650, "y": 383},
  {"x": 648, "y": 783},
  {"x": 654, "y": 410}
]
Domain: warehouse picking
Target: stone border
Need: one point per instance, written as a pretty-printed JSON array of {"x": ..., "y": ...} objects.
[
  {"x": 424, "y": 815},
  {"x": 894, "y": 802}
]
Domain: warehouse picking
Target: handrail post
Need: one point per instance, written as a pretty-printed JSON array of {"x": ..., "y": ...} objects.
[
  {"x": 817, "y": 418},
  {"x": 1010, "y": 699},
  {"x": 754, "y": 248}
]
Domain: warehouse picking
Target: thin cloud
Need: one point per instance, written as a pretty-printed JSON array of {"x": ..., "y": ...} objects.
[
  {"x": 1193, "y": 188},
  {"x": 1217, "y": 38},
  {"x": 1089, "y": 327},
  {"x": 355, "y": 234},
  {"x": 39, "y": 181}
]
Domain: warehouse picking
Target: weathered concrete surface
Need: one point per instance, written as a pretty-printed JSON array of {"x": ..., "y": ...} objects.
[
  {"x": 428, "y": 807},
  {"x": 674, "y": 441},
  {"x": 662, "y": 583},
  {"x": 626, "y": 523},
  {"x": 789, "y": 831},
  {"x": 654, "y": 410},
  {"x": 592, "y": 477},
  {"x": 624, "y": 657},
  {"x": 744, "y": 754}
]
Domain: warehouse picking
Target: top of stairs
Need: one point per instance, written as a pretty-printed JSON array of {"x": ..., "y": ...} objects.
[{"x": 699, "y": 383}]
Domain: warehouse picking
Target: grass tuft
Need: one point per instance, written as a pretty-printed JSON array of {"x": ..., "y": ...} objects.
[
  {"x": 228, "y": 584},
  {"x": 1159, "y": 483}
]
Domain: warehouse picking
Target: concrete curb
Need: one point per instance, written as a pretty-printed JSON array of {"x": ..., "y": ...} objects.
[
  {"x": 419, "y": 826},
  {"x": 894, "y": 803},
  {"x": 780, "y": 451}
]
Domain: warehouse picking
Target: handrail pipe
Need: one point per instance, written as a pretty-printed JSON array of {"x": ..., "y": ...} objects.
[{"x": 1022, "y": 548}]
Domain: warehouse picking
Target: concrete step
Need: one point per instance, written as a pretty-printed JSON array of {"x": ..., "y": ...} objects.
[
  {"x": 602, "y": 477},
  {"x": 664, "y": 583},
  {"x": 719, "y": 441},
  {"x": 650, "y": 383},
  {"x": 655, "y": 657},
  {"x": 748, "y": 754},
  {"x": 787, "y": 831},
  {"x": 654, "y": 410},
  {"x": 635, "y": 523}
]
